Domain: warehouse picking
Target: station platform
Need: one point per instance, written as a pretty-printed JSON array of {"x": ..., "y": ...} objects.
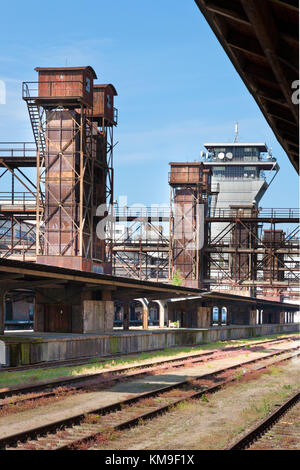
[{"x": 29, "y": 347}]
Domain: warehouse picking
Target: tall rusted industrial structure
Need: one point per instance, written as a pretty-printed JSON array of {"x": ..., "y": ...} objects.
[
  {"x": 72, "y": 122},
  {"x": 190, "y": 186}
]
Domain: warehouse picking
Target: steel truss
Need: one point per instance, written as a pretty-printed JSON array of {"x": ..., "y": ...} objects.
[
  {"x": 240, "y": 258},
  {"x": 142, "y": 252},
  {"x": 17, "y": 208},
  {"x": 106, "y": 131}
]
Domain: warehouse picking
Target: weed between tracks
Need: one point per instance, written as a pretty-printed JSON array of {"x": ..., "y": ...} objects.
[
  {"x": 214, "y": 420},
  {"x": 17, "y": 406}
]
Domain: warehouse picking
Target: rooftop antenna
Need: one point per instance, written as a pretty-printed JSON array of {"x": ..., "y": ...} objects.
[{"x": 236, "y": 132}]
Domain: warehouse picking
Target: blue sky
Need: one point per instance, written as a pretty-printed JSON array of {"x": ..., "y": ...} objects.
[{"x": 176, "y": 86}]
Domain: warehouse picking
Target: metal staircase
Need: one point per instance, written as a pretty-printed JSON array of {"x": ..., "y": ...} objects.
[
  {"x": 39, "y": 136},
  {"x": 35, "y": 119}
]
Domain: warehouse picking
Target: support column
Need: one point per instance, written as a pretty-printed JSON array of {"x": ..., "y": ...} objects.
[
  {"x": 228, "y": 317},
  {"x": 203, "y": 317},
  {"x": 145, "y": 316},
  {"x": 2, "y": 311},
  {"x": 252, "y": 317},
  {"x": 39, "y": 321},
  {"x": 220, "y": 317},
  {"x": 126, "y": 315},
  {"x": 161, "y": 314},
  {"x": 281, "y": 317},
  {"x": 97, "y": 316}
]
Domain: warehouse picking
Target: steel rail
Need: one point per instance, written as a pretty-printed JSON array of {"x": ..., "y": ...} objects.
[
  {"x": 43, "y": 430},
  {"x": 257, "y": 431}
]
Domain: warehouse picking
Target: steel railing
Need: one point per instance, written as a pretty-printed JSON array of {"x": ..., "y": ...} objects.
[
  {"x": 142, "y": 212},
  {"x": 17, "y": 149},
  {"x": 290, "y": 213},
  {"x": 16, "y": 198},
  {"x": 44, "y": 89}
]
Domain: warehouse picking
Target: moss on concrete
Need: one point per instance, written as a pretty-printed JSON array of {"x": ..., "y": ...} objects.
[
  {"x": 25, "y": 353},
  {"x": 114, "y": 344}
]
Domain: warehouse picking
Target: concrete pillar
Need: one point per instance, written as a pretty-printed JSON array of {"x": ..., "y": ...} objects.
[
  {"x": 281, "y": 317},
  {"x": 292, "y": 317},
  {"x": 252, "y": 317},
  {"x": 39, "y": 318},
  {"x": 145, "y": 316},
  {"x": 220, "y": 317},
  {"x": 161, "y": 313},
  {"x": 126, "y": 315},
  {"x": 98, "y": 316},
  {"x": 228, "y": 318},
  {"x": 203, "y": 317},
  {"x": 2, "y": 311}
]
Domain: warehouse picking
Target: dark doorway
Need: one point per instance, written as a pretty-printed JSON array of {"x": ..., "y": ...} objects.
[{"x": 58, "y": 318}]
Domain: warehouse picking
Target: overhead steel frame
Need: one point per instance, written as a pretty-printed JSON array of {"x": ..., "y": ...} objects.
[
  {"x": 261, "y": 264},
  {"x": 138, "y": 255},
  {"x": 106, "y": 130},
  {"x": 17, "y": 208}
]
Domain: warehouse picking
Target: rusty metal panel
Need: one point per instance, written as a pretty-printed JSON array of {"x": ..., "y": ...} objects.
[
  {"x": 61, "y": 198},
  {"x": 103, "y": 105},
  {"x": 67, "y": 83},
  {"x": 190, "y": 173}
]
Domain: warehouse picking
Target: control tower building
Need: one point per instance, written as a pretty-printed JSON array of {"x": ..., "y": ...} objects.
[{"x": 242, "y": 171}]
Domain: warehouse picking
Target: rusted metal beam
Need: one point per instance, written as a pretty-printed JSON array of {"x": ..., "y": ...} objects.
[
  {"x": 267, "y": 34},
  {"x": 246, "y": 44},
  {"x": 292, "y": 5},
  {"x": 231, "y": 10}
]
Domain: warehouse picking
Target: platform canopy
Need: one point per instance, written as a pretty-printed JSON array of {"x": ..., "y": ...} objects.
[
  {"x": 24, "y": 275},
  {"x": 17, "y": 275},
  {"x": 261, "y": 38}
]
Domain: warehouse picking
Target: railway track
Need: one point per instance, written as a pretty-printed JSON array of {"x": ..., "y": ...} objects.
[
  {"x": 42, "y": 393},
  {"x": 86, "y": 429},
  {"x": 47, "y": 389},
  {"x": 279, "y": 431}
]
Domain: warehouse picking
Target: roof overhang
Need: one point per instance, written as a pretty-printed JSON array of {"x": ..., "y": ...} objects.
[
  {"x": 25, "y": 275},
  {"x": 260, "y": 145},
  {"x": 66, "y": 69},
  {"x": 262, "y": 41}
]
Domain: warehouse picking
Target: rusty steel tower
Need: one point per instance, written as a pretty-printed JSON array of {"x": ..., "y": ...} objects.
[
  {"x": 71, "y": 119},
  {"x": 190, "y": 186}
]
